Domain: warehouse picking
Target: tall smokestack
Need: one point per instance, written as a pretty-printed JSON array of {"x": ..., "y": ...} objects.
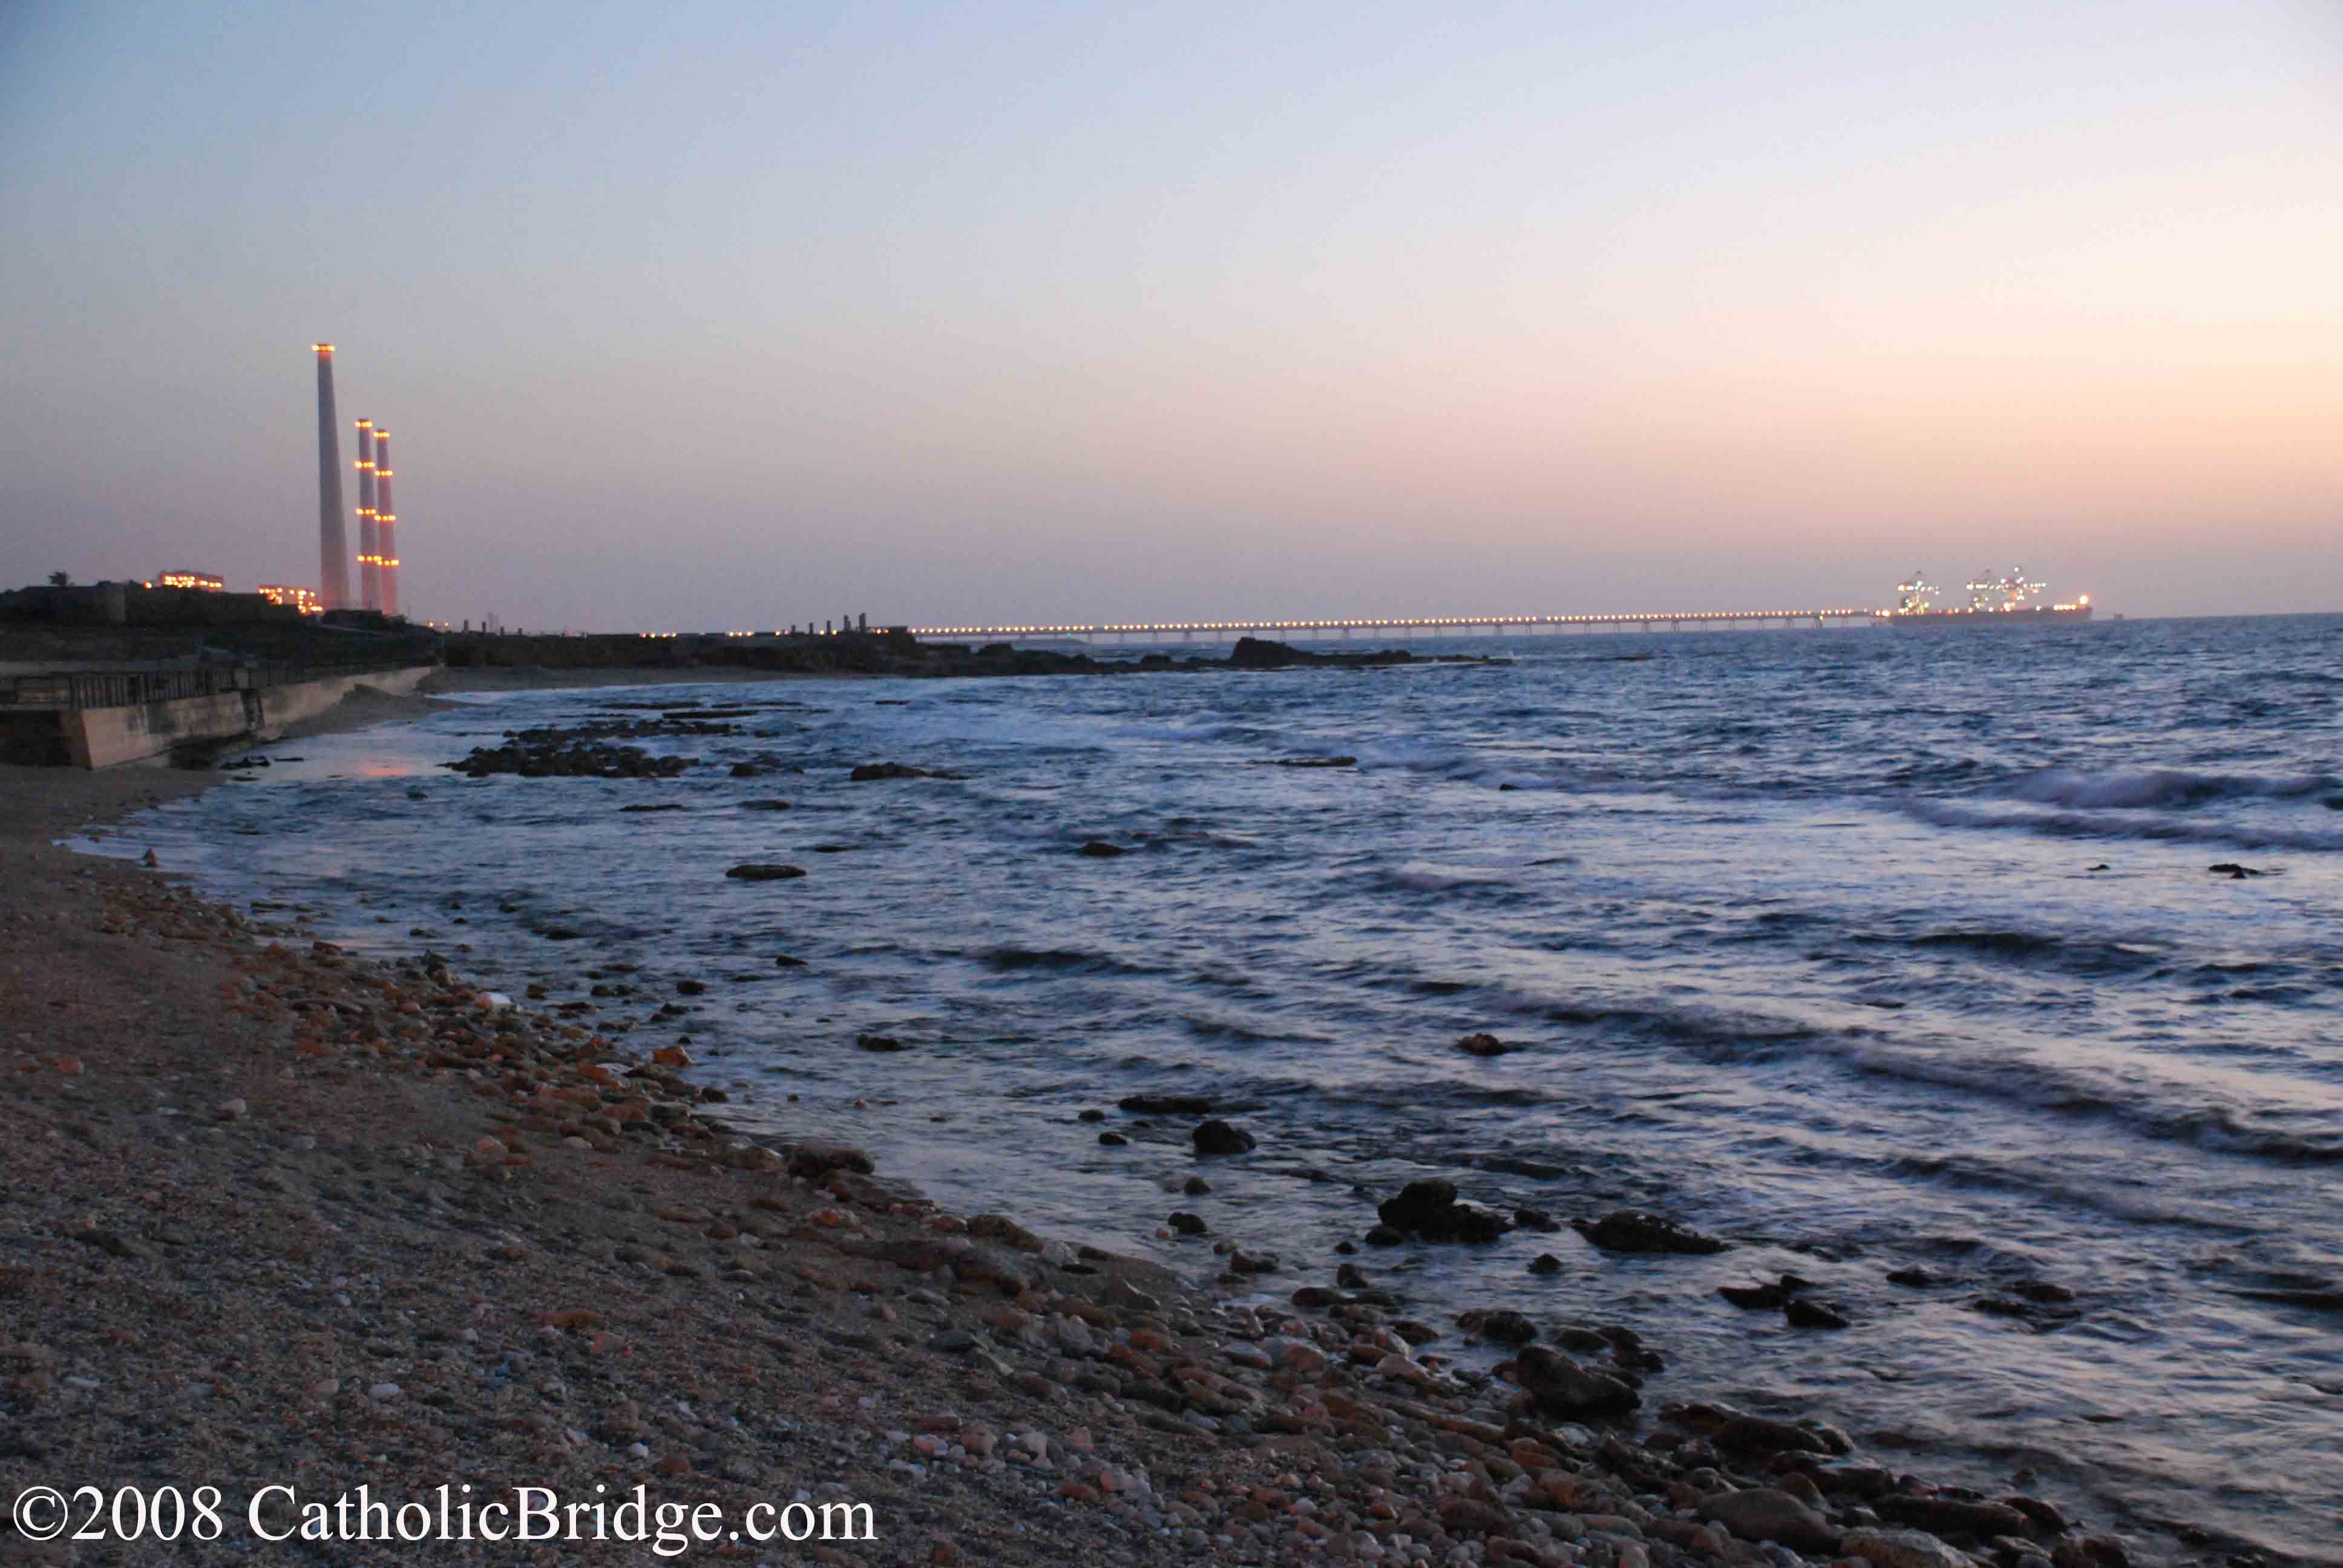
[
  {"x": 333, "y": 542},
  {"x": 369, "y": 551},
  {"x": 386, "y": 532}
]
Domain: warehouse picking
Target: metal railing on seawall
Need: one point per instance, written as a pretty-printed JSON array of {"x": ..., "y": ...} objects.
[{"x": 79, "y": 689}]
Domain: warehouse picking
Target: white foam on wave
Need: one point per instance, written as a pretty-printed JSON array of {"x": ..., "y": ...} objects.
[
  {"x": 2162, "y": 786},
  {"x": 2085, "y": 824}
]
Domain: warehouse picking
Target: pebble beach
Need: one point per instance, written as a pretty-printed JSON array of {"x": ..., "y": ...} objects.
[{"x": 282, "y": 1215}]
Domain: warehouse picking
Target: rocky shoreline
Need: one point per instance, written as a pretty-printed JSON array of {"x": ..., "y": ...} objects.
[{"x": 278, "y": 1212}]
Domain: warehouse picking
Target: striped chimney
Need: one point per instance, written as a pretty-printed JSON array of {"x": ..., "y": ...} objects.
[
  {"x": 370, "y": 550},
  {"x": 332, "y": 540},
  {"x": 385, "y": 518}
]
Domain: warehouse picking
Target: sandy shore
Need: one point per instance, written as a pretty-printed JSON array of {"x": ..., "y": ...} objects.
[
  {"x": 276, "y": 1216},
  {"x": 535, "y": 678}
]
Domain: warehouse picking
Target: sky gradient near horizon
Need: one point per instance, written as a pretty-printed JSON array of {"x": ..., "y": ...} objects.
[{"x": 738, "y": 316}]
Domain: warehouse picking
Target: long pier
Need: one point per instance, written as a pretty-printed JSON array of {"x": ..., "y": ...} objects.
[{"x": 1492, "y": 624}]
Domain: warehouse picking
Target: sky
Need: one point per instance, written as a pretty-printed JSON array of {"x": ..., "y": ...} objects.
[{"x": 740, "y": 316}]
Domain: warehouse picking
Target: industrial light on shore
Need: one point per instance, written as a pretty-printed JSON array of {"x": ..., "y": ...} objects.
[
  {"x": 369, "y": 551},
  {"x": 386, "y": 527}
]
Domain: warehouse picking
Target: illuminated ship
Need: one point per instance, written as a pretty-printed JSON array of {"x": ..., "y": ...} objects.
[{"x": 2006, "y": 598}]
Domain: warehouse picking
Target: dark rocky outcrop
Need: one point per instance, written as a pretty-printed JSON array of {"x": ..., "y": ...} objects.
[
  {"x": 1429, "y": 1209},
  {"x": 1561, "y": 1386},
  {"x": 1218, "y": 1137},
  {"x": 754, "y": 871},
  {"x": 870, "y": 772},
  {"x": 1639, "y": 1231},
  {"x": 1165, "y": 1104}
]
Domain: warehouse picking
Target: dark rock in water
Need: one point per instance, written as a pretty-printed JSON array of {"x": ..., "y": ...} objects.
[
  {"x": 1314, "y": 762},
  {"x": 1430, "y": 1210},
  {"x": 818, "y": 1159},
  {"x": 1091, "y": 1116},
  {"x": 1950, "y": 1515},
  {"x": 754, "y": 872},
  {"x": 1768, "y": 1514},
  {"x": 746, "y": 771},
  {"x": 1196, "y": 1187},
  {"x": 1187, "y": 1224},
  {"x": 1418, "y": 1202},
  {"x": 1414, "y": 1332},
  {"x": 1545, "y": 1263},
  {"x": 1099, "y": 849},
  {"x": 877, "y": 1042},
  {"x": 560, "y": 933},
  {"x": 868, "y": 771},
  {"x": 1562, "y": 1386},
  {"x": 764, "y": 805},
  {"x": 2236, "y": 872},
  {"x": 662, "y": 806},
  {"x": 1805, "y": 1314},
  {"x": 785, "y": 961},
  {"x": 1764, "y": 1434},
  {"x": 1218, "y": 1137},
  {"x": 2100, "y": 867},
  {"x": 690, "y": 987},
  {"x": 1261, "y": 653},
  {"x": 1350, "y": 1277},
  {"x": 2333, "y": 802},
  {"x": 1483, "y": 1045},
  {"x": 1913, "y": 1276},
  {"x": 1505, "y": 1325},
  {"x": 1636, "y": 1230},
  {"x": 1536, "y": 1220},
  {"x": 1348, "y": 1249},
  {"x": 1165, "y": 1104},
  {"x": 1753, "y": 1298},
  {"x": 2043, "y": 1291},
  {"x": 1999, "y": 1307},
  {"x": 1112, "y": 1140},
  {"x": 2323, "y": 1300},
  {"x": 1384, "y": 1236}
]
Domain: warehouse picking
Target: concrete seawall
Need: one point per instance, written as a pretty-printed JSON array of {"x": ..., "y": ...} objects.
[{"x": 104, "y": 737}]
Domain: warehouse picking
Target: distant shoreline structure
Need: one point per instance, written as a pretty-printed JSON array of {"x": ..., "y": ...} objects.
[{"x": 2007, "y": 598}]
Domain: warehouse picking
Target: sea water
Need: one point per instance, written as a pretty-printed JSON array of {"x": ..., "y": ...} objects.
[{"x": 1862, "y": 948}]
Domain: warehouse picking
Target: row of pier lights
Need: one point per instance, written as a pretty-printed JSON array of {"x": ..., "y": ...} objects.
[{"x": 1494, "y": 624}]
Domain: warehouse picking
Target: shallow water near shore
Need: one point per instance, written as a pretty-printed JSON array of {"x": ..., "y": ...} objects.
[{"x": 1862, "y": 948}]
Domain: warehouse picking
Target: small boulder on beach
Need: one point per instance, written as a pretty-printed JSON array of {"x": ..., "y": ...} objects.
[{"x": 1566, "y": 1387}]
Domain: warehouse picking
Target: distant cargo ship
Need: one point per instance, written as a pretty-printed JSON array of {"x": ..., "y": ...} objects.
[{"x": 2004, "y": 599}]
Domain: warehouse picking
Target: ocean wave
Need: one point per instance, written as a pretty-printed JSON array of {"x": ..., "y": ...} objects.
[
  {"x": 2215, "y": 1128},
  {"x": 2166, "y": 788},
  {"x": 2074, "y": 955},
  {"x": 2161, "y": 829},
  {"x": 1010, "y": 959}
]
